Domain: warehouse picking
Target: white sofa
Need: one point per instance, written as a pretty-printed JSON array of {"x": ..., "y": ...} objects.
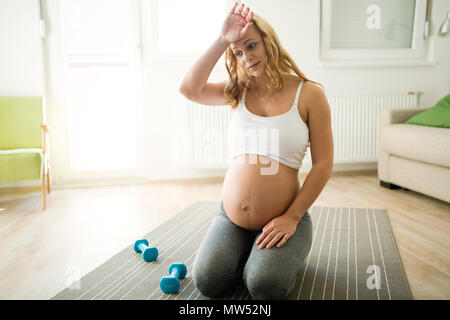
[{"x": 412, "y": 156}]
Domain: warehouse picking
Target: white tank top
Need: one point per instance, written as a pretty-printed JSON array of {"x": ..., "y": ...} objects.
[{"x": 284, "y": 138}]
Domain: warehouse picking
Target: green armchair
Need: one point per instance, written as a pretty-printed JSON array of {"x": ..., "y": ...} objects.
[{"x": 24, "y": 152}]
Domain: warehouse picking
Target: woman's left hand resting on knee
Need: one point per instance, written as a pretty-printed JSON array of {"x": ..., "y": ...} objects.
[{"x": 278, "y": 230}]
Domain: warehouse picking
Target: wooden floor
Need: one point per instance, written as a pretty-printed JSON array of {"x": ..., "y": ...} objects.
[{"x": 41, "y": 253}]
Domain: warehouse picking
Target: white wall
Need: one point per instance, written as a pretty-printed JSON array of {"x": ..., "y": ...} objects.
[
  {"x": 297, "y": 24},
  {"x": 20, "y": 48}
]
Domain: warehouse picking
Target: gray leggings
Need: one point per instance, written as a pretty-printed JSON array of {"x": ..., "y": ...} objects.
[{"x": 228, "y": 253}]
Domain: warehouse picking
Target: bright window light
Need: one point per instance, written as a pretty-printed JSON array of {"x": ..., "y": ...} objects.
[
  {"x": 100, "y": 85},
  {"x": 189, "y": 26}
]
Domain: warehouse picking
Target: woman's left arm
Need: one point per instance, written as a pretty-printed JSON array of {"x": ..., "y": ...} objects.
[{"x": 280, "y": 229}]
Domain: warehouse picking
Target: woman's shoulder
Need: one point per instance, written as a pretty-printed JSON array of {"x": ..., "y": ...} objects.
[
  {"x": 314, "y": 98},
  {"x": 312, "y": 90}
]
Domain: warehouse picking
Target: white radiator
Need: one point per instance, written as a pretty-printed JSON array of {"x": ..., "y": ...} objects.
[
  {"x": 208, "y": 127},
  {"x": 354, "y": 122}
]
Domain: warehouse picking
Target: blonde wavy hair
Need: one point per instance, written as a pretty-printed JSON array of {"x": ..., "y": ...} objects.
[{"x": 278, "y": 64}]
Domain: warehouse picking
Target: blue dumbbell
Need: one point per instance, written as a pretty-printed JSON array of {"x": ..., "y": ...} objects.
[
  {"x": 171, "y": 284},
  {"x": 148, "y": 253}
]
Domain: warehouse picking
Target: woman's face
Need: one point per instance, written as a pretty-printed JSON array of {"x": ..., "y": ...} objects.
[{"x": 250, "y": 50}]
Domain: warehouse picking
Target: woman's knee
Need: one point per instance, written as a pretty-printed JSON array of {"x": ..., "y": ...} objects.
[
  {"x": 211, "y": 279},
  {"x": 269, "y": 286}
]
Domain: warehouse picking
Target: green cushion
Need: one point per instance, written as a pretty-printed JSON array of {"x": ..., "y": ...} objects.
[
  {"x": 437, "y": 116},
  {"x": 20, "y": 122},
  {"x": 19, "y": 166}
]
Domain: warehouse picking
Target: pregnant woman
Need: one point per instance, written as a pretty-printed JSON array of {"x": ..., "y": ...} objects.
[{"x": 263, "y": 231}]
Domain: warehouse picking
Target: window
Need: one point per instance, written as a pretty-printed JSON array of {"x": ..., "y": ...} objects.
[
  {"x": 102, "y": 95},
  {"x": 373, "y": 31},
  {"x": 182, "y": 29}
]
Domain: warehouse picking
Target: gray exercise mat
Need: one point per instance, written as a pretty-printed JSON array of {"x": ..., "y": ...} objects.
[{"x": 353, "y": 256}]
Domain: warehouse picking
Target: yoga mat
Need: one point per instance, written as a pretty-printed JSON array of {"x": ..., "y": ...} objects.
[{"x": 354, "y": 256}]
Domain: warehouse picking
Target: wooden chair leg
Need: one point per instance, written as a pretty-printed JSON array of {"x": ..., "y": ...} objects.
[
  {"x": 43, "y": 192},
  {"x": 48, "y": 179}
]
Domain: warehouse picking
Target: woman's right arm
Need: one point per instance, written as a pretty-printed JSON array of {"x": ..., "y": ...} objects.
[{"x": 194, "y": 85}]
